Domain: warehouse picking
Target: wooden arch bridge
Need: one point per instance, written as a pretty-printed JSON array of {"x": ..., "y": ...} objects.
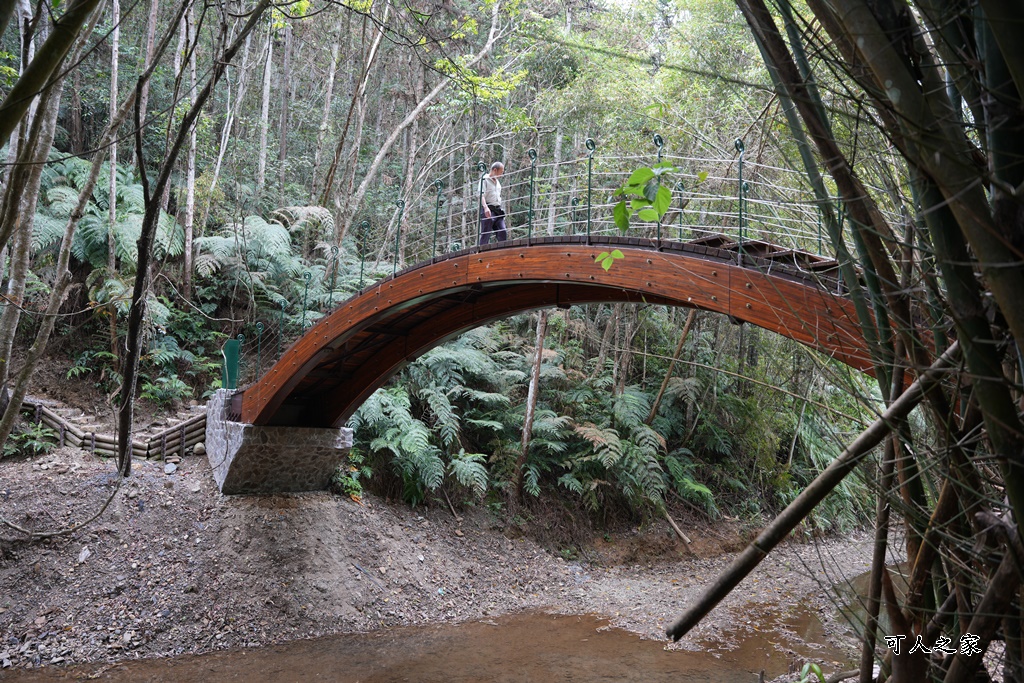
[{"x": 348, "y": 354}]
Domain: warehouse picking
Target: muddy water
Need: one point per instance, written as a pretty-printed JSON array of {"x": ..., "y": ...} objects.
[{"x": 522, "y": 648}]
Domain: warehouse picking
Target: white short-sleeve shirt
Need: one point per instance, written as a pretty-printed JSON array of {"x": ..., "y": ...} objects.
[{"x": 492, "y": 191}]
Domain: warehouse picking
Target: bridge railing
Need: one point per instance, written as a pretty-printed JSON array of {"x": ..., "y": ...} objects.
[
  {"x": 577, "y": 196},
  {"x": 730, "y": 195}
]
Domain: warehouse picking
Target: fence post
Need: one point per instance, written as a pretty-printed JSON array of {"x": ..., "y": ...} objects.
[
  {"x": 439, "y": 184},
  {"x": 259, "y": 349},
  {"x": 680, "y": 188},
  {"x": 280, "y": 330},
  {"x": 532, "y": 153},
  {"x": 305, "y": 294},
  {"x": 740, "y": 149},
  {"x": 398, "y": 234},
  {"x": 364, "y": 226},
  {"x": 659, "y": 143},
  {"x": 592, "y": 146},
  {"x": 334, "y": 277},
  {"x": 819, "y": 229},
  {"x": 482, "y": 168}
]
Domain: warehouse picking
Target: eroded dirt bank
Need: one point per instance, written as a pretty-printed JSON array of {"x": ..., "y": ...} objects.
[{"x": 174, "y": 567}]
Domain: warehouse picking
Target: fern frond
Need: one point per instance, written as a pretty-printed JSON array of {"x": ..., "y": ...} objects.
[
  {"x": 570, "y": 482},
  {"x": 469, "y": 470},
  {"x": 46, "y": 231},
  {"x": 606, "y": 442}
]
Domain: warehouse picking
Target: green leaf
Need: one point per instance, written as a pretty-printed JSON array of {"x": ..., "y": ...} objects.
[
  {"x": 621, "y": 214},
  {"x": 649, "y": 215},
  {"x": 702, "y": 176},
  {"x": 607, "y": 264},
  {"x": 617, "y": 254},
  {"x": 651, "y": 191},
  {"x": 663, "y": 168},
  {"x": 639, "y": 178},
  {"x": 638, "y": 204},
  {"x": 663, "y": 200},
  {"x": 602, "y": 256}
]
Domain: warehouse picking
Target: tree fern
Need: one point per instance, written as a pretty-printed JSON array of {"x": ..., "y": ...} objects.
[
  {"x": 606, "y": 443},
  {"x": 631, "y": 407},
  {"x": 570, "y": 482},
  {"x": 446, "y": 420},
  {"x": 469, "y": 470}
]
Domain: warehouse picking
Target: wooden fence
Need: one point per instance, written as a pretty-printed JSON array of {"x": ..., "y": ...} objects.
[{"x": 173, "y": 439}]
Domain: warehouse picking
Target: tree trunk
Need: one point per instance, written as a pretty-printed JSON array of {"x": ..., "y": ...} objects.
[
  {"x": 179, "y": 70},
  {"x": 325, "y": 119},
  {"x": 823, "y": 484},
  {"x": 190, "y": 180},
  {"x": 349, "y": 208},
  {"x": 531, "y": 400},
  {"x": 357, "y": 95},
  {"x": 115, "y": 38},
  {"x": 610, "y": 330},
  {"x": 282, "y": 148},
  {"x": 229, "y": 124},
  {"x": 671, "y": 366},
  {"x": 268, "y": 70},
  {"x": 136, "y": 313},
  {"x": 553, "y": 207},
  {"x": 20, "y": 202},
  {"x": 62, "y": 277},
  {"x": 147, "y": 58},
  {"x": 48, "y": 58}
]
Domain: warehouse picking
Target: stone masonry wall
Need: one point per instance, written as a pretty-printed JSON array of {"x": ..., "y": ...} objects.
[{"x": 250, "y": 459}]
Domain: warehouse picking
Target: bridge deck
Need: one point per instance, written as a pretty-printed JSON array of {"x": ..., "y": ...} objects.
[{"x": 327, "y": 373}]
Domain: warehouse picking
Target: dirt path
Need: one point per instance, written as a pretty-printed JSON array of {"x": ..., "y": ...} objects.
[{"x": 174, "y": 567}]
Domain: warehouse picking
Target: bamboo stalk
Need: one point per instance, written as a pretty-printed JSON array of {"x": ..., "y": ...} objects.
[
  {"x": 822, "y": 485},
  {"x": 675, "y": 527}
]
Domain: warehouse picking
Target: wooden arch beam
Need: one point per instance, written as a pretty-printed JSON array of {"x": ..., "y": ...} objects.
[{"x": 326, "y": 374}]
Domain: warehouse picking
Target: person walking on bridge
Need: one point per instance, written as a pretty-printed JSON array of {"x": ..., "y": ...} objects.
[{"x": 492, "y": 215}]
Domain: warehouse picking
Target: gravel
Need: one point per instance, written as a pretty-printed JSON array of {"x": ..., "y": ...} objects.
[{"x": 174, "y": 567}]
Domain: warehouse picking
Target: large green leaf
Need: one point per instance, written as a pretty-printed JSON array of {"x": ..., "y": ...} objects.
[
  {"x": 639, "y": 178},
  {"x": 663, "y": 200},
  {"x": 621, "y": 214}
]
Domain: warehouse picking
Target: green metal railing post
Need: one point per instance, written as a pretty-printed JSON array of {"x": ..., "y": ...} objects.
[
  {"x": 680, "y": 188},
  {"x": 398, "y": 234},
  {"x": 364, "y": 226},
  {"x": 307, "y": 276},
  {"x": 439, "y": 184},
  {"x": 229, "y": 363},
  {"x": 334, "y": 277},
  {"x": 592, "y": 146},
  {"x": 238, "y": 370},
  {"x": 659, "y": 143},
  {"x": 740, "y": 149},
  {"x": 532, "y": 153},
  {"x": 819, "y": 229},
  {"x": 572, "y": 216},
  {"x": 259, "y": 349},
  {"x": 482, "y": 168},
  {"x": 280, "y": 329}
]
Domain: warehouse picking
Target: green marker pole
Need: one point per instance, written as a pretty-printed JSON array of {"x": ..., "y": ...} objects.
[
  {"x": 398, "y": 234},
  {"x": 740, "y": 149},
  {"x": 592, "y": 146},
  {"x": 439, "y": 184},
  {"x": 532, "y": 153}
]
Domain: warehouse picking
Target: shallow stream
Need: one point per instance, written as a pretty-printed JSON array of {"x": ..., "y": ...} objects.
[{"x": 522, "y": 648}]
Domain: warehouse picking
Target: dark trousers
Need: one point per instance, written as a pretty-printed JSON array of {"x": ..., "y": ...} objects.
[{"x": 495, "y": 225}]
